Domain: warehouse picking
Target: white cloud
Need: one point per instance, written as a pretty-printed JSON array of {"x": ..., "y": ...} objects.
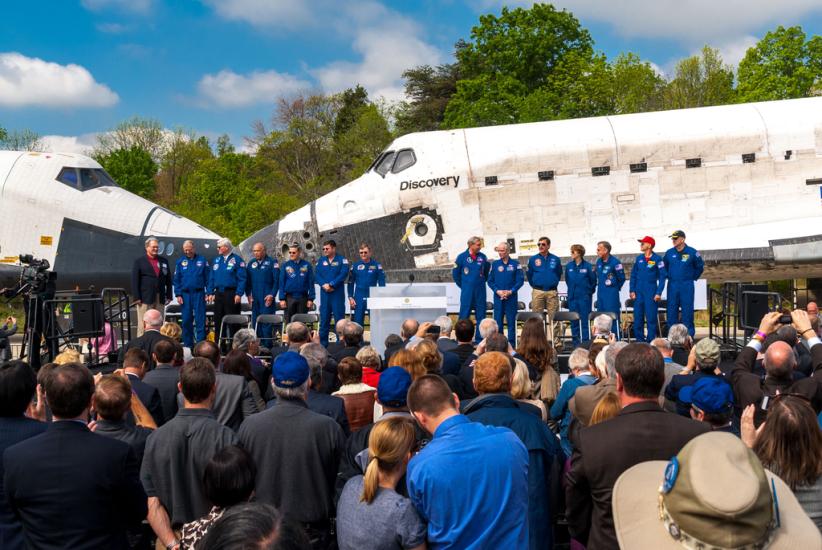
[
  {"x": 270, "y": 13},
  {"x": 26, "y": 81},
  {"x": 132, "y": 6},
  {"x": 733, "y": 52},
  {"x": 112, "y": 28},
  {"x": 694, "y": 22},
  {"x": 228, "y": 89},
  {"x": 82, "y": 144}
]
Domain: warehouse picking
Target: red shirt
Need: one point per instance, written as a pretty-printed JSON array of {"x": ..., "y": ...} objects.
[
  {"x": 370, "y": 377},
  {"x": 155, "y": 264}
]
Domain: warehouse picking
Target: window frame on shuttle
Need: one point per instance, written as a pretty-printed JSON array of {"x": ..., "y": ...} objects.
[
  {"x": 387, "y": 156},
  {"x": 82, "y": 176},
  {"x": 397, "y": 170}
]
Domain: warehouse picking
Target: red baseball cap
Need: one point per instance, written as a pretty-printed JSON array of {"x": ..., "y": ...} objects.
[{"x": 649, "y": 240}]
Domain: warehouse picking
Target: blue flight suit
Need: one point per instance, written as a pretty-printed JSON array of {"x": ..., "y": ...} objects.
[
  {"x": 296, "y": 280},
  {"x": 263, "y": 278},
  {"x": 190, "y": 282},
  {"x": 681, "y": 270},
  {"x": 506, "y": 276},
  {"x": 363, "y": 276},
  {"x": 647, "y": 281},
  {"x": 544, "y": 272},
  {"x": 226, "y": 273},
  {"x": 333, "y": 272},
  {"x": 470, "y": 274},
  {"x": 582, "y": 282},
  {"x": 610, "y": 278}
]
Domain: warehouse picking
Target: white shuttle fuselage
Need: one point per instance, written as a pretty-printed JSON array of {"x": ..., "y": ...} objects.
[
  {"x": 66, "y": 209},
  {"x": 743, "y": 181}
]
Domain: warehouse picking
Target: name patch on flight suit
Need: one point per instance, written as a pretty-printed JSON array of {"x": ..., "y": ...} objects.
[
  {"x": 537, "y": 262},
  {"x": 360, "y": 267}
]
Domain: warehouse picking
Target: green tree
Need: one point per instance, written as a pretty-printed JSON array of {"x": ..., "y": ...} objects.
[
  {"x": 21, "y": 140},
  {"x": 510, "y": 57},
  {"x": 637, "y": 88},
  {"x": 356, "y": 149},
  {"x": 701, "y": 80},
  {"x": 224, "y": 145},
  {"x": 133, "y": 169},
  {"x": 429, "y": 90},
  {"x": 352, "y": 102},
  {"x": 184, "y": 151},
  {"x": 783, "y": 65}
]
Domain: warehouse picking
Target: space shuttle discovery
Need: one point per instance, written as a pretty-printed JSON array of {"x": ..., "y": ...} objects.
[
  {"x": 743, "y": 181},
  {"x": 64, "y": 208}
]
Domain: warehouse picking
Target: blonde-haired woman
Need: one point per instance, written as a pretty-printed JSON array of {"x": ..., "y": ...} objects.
[{"x": 370, "y": 512}]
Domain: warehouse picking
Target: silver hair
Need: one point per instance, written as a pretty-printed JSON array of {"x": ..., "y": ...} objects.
[
  {"x": 369, "y": 357},
  {"x": 504, "y": 244},
  {"x": 678, "y": 334},
  {"x": 244, "y": 338},
  {"x": 602, "y": 324},
  {"x": 316, "y": 353},
  {"x": 662, "y": 344},
  {"x": 611, "y": 353},
  {"x": 151, "y": 240},
  {"x": 578, "y": 359},
  {"x": 474, "y": 240},
  {"x": 153, "y": 318},
  {"x": 189, "y": 241},
  {"x": 444, "y": 322},
  {"x": 487, "y": 327},
  {"x": 225, "y": 242},
  {"x": 340, "y": 325},
  {"x": 299, "y": 392}
]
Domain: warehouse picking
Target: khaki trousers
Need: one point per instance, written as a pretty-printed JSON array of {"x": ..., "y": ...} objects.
[
  {"x": 547, "y": 301},
  {"x": 141, "y": 310}
]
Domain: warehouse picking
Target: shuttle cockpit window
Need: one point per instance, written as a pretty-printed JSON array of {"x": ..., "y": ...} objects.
[
  {"x": 384, "y": 164},
  {"x": 405, "y": 158},
  {"x": 84, "y": 179}
]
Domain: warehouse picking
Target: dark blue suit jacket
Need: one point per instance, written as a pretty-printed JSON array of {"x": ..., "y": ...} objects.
[
  {"x": 74, "y": 489},
  {"x": 146, "y": 286},
  {"x": 13, "y": 431},
  {"x": 150, "y": 397}
]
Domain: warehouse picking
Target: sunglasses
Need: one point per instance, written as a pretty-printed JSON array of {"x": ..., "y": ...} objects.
[
  {"x": 363, "y": 252},
  {"x": 542, "y": 244}
]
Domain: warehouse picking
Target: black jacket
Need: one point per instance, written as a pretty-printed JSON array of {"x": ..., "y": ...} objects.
[
  {"x": 148, "y": 287},
  {"x": 134, "y": 436},
  {"x": 146, "y": 342},
  {"x": 74, "y": 489},
  {"x": 148, "y": 396},
  {"x": 640, "y": 432},
  {"x": 165, "y": 379}
]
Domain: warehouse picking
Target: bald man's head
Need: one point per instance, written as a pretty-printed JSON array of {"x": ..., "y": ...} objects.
[
  {"x": 153, "y": 319},
  {"x": 779, "y": 360}
]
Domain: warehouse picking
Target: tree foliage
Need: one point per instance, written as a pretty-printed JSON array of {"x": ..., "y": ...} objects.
[
  {"x": 428, "y": 89},
  {"x": 783, "y": 65},
  {"x": 144, "y": 133},
  {"x": 132, "y": 168},
  {"x": 21, "y": 140},
  {"x": 701, "y": 80}
]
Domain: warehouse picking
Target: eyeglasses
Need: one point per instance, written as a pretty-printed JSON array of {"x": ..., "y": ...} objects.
[
  {"x": 292, "y": 253},
  {"x": 363, "y": 252},
  {"x": 542, "y": 244}
]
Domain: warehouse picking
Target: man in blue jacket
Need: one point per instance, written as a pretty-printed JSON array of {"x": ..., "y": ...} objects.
[
  {"x": 647, "y": 284},
  {"x": 331, "y": 274},
  {"x": 505, "y": 279},
  {"x": 610, "y": 278},
  {"x": 190, "y": 282},
  {"x": 365, "y": 273},
  {"x": 471, "y": 273},
  {"x": 581, "y": 280},
  {"x": 226, "y": 285},
  {"x": 296, "y": 284},
  {"x": 263, "y": 274},
  {"x": 544, "y": 273},
  {"x": 683, "y": 266}
]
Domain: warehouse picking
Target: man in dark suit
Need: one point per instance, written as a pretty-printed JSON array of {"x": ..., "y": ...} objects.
[
  {"x": 445, "y": 342},
  {"x": 335, "y": 347},
  {"x": 150, "y": 281},
  {"x": 71, "y": 488},
  {"x": 134, "y": 367},
  {"x": 165, "y": 377},
  {"x": 642, "y": 431},
  {"x": 352, "y": 340},
  {"x": 17, "y": 385},
  {"x": 152, "y": 322},
  {"x": 464, "y": 331},
  {"x": 233, "y": 402}
]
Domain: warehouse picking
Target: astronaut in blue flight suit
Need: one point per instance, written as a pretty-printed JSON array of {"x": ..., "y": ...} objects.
[
  {"x": 610, "y": 278},
  {"x": 647, "y": 284},
  {"x": 471, "y": 273},
  {"x": 331, "y": 273},
  {"x": 365, "y": 273},
  {"x": 683, "y": 266},
  {"x": 581, "y": 280},
  {"x": 226, "y": 285},
  {"x": 505, "y": 279},
  {"x": 262, "y": 283},
  {"x": 190, "y": 282},
  {"x": 296, "y": 284}
]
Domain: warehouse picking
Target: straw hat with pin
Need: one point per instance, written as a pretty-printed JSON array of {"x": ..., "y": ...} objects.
[{"x": 714, "y": 494}]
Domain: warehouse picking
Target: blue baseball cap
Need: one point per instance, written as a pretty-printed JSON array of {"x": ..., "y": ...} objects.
[
  {"x": 392, "y": 389},
  {"x": 710, "y": 394},
  {"x": 290, "y": 370}
]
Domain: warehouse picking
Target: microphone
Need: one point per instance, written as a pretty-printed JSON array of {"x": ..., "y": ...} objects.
[{"x": 411, "y": 278}]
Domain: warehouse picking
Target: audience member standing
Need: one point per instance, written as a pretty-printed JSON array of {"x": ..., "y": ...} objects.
[
  {"x": 17, "y": 388},
  {"x": 296, "y": 450},
  {"x": 150, "y": 281},
  {"x": 177, "y": 454},
  {"x": 642, "y": 431},
  {"x": 470, "y": 483},
  {"x": 111, "y": 402},
  {"x": 134, "y": 367},
  {"x": 233, "y": 401},
  {"x": 165, "y": 377},
  {"x": 71, "y": 488},
  {"x": 152, "y": 323},
  {"x": 495, "y": 407},
  {"x": 370, "y": 513}
]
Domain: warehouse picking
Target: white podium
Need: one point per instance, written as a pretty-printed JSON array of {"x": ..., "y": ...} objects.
[{"x": 389, "y": 306}]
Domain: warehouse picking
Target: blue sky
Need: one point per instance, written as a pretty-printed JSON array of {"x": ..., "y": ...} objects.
[{"x": 72, "y": 68}]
